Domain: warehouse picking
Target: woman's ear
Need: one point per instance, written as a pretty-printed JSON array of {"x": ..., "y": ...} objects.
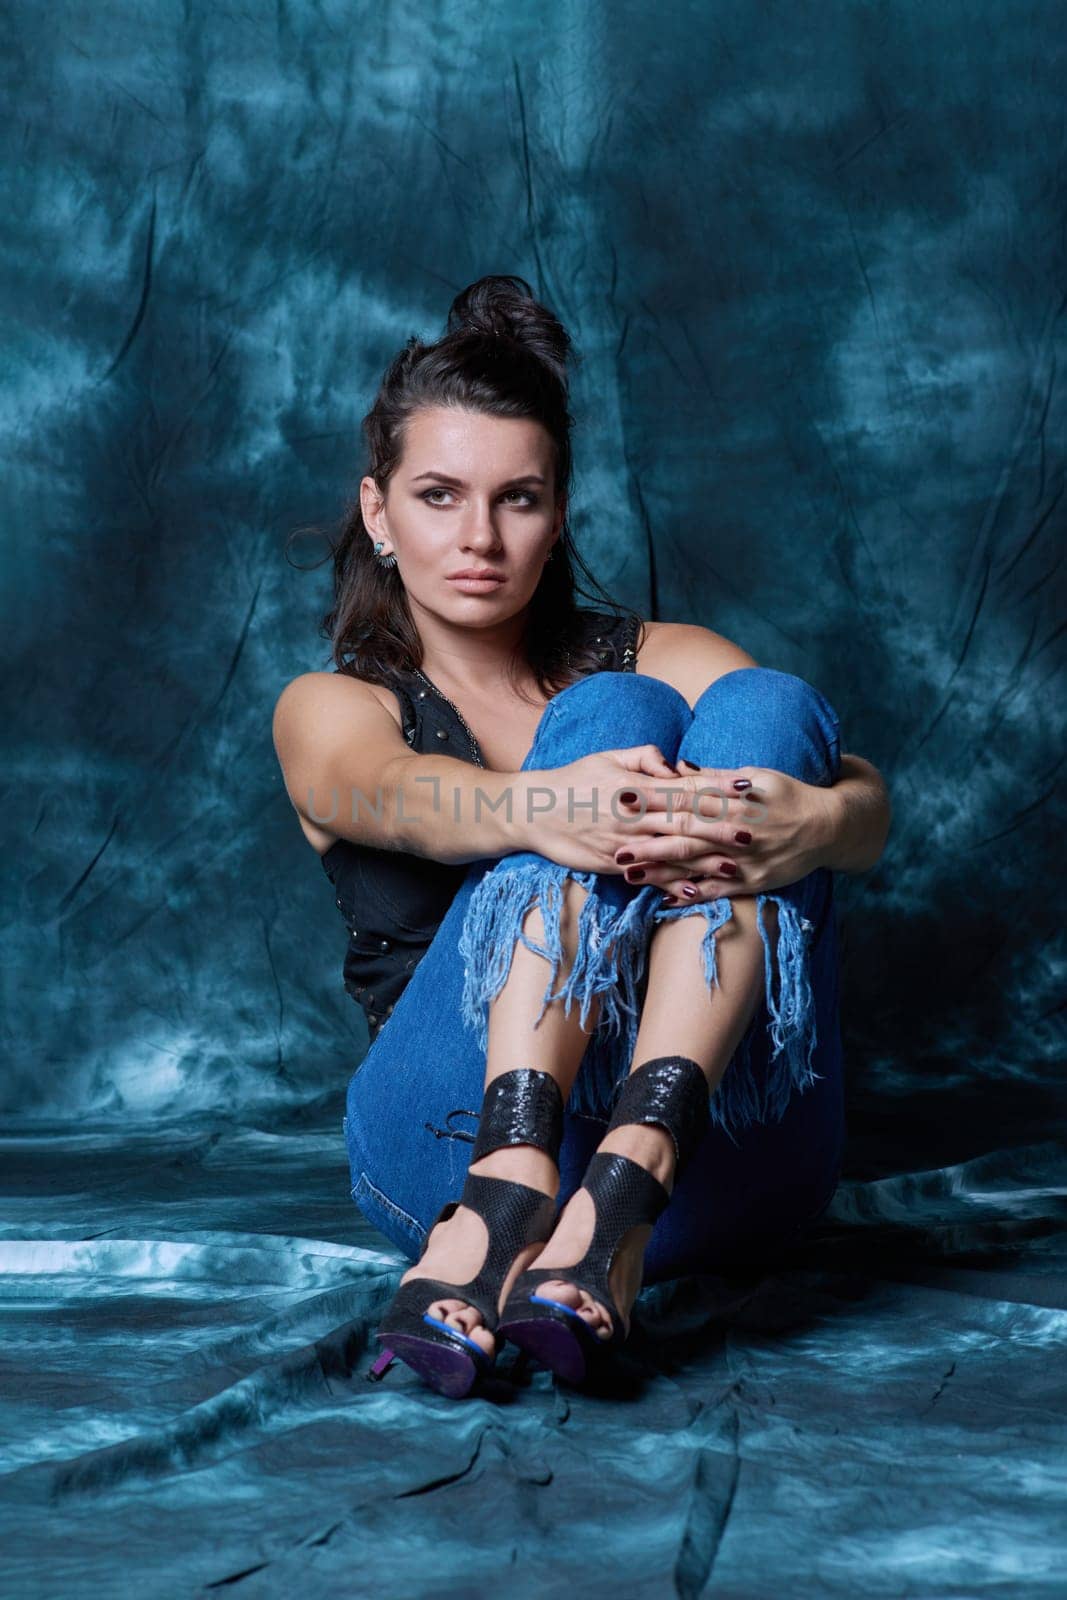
[{"x": 371, "y": 505}]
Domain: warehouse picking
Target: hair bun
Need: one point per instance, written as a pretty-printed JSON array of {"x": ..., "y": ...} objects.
[{"x": 503, "y": 306}]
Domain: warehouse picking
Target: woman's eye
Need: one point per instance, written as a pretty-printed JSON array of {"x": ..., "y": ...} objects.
[{"x": 530, "y": 499}]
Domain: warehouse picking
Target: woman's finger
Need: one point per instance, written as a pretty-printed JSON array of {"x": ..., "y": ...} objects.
[
  {"x": 725, "y": 890},
  {"x": 671, "y": 875},
  {"x": 655, "y": 764},
  {"x": 723, "y": 842},
  {"x": 647, "y": 759},
  {"x": 735, "y": 780},
  {"x": 689, "y": 804}
]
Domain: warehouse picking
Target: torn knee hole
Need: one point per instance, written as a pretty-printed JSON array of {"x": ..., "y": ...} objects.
[
  {"x": 770, "y": 922},
  {"x": 595, "y": 953},
  {"x": 746, "y": 914},
  {"x": 742, "y": 1096},
  {"x": 573, "y": 896}
]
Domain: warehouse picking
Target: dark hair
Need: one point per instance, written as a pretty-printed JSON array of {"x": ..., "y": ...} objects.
[{"x": 505, "y": 354}]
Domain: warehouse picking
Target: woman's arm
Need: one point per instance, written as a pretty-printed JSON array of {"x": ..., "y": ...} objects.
[
  {"x": 348, "y": 768},
  {"x": 843, "y": 827},
  {"x": 858, "y": 818}
]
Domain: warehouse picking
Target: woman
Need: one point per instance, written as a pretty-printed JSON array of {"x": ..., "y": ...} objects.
[{"x": 586, "y": 867}]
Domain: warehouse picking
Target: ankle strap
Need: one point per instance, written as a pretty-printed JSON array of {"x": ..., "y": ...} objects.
[
  {"x": 524, "y": 1106},
  {"x": 673, "y": 1092}
]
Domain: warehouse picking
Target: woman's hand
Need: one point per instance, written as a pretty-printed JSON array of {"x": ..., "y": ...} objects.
[
  {"x": 730, "y": 832},
  {"x": 575, "y": 815}
]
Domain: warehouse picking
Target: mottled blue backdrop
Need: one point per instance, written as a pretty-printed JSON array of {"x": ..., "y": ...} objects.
[{"x": 814, "y": 260}]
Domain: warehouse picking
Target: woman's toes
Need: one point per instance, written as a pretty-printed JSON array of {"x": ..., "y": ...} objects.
[
  {"x": 597, "y": 1318},
  {"x": 457, "y": 1313},
  {"x": 481, "y": 1336},
  {"x": 562, "y": 1291},
  {"x": 465, "y": 1319},
  {"x": 590, "y": 1310}
]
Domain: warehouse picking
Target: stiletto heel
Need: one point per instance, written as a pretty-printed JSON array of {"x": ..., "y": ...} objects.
[
  {"x": 524, "y": 1106},
  {"x": 673, "y": 1092}
]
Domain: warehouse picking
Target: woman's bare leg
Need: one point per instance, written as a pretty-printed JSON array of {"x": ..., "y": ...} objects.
[
  {"x": 557, "y": 1044},
  {"x": 680, "y": 1016}
]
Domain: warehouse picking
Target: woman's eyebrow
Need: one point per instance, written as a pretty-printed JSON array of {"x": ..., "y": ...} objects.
[{"x": 457, "y": 483}]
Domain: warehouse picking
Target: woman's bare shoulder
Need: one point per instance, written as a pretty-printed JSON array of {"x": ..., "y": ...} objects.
[
  {"x": 333, "y": 733},
  {"x": 688, "y": 656},
  {"x": 336, "y": 689}
]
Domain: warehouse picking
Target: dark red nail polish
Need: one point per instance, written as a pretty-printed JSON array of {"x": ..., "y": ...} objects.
[
  {"x": 687, "y": 889},
  {"x": 743, "y": 838},
  {"x": 628, "y": 798},
  {"x": 623, "y": 857},
  {"x": 729, "y": 868},
  {"x": 742, "y": 783},
  {"x": 634, "y": 874}
]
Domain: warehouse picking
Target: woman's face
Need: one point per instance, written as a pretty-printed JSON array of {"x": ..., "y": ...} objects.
[{"x": 471, "y": 492}]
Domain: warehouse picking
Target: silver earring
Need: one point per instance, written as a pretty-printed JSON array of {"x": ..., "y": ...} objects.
[{"x": 383, "y": 561}]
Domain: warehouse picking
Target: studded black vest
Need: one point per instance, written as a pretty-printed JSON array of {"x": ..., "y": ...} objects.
[{"x": 393, "y": 902}]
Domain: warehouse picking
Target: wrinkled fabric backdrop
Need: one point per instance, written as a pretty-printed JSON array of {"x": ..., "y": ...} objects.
[{"x": 814, "y": 261}]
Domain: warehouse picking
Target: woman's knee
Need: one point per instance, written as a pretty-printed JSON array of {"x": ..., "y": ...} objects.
[
  {"x": 759, "y": 716},
  {"x": 610, "y": 711}
]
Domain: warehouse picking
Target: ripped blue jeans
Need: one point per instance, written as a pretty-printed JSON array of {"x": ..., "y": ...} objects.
[{"x": 772, "y": 1154}]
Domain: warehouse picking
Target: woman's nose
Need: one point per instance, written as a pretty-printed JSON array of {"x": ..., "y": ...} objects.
[{"x": 479, "y": 531}]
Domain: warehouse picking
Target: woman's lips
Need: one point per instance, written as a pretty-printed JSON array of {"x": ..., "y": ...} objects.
[{"x": 477, "y": 585}]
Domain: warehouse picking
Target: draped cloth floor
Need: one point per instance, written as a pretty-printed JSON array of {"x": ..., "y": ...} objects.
[{"x": 187, "y": 1319}]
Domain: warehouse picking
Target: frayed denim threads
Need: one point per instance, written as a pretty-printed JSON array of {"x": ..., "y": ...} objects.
[
  {"x": 738, "y": 1100},
  {"x": 749, "y": 716},
  {"x": 608, "y": 965}
]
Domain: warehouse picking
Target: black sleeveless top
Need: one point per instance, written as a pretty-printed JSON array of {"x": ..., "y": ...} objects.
[{"x": 393, "y": 902}]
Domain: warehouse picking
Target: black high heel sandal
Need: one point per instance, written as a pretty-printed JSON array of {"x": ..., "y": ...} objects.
[
  {"x": 673, "y": 1092},
  {"x": 524, "y": 1106}
]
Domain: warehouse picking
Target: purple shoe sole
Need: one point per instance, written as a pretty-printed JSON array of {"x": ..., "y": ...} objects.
[
  {"x": 447, "y": 1369},
  {"x": 552, "y": 1343}
]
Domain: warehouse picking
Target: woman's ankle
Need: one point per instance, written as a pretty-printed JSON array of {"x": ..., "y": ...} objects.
[
  {"x": 646, "y": 1143},
  {"x": 521, "y": 1163}
]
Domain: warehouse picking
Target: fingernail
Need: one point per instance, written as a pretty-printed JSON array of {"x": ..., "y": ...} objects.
[
  {"x": 743, "y": 838},
  {"x": 669, "y": 900},
  {"x": 687, "y": 888},
  {"x": 623, "y": 857},
  {"x": 634, "y": 874},
  {"x": 729, "y": 868},
  {"x": 628, "y": 798},
  {"x": 742, "y": 783}
]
